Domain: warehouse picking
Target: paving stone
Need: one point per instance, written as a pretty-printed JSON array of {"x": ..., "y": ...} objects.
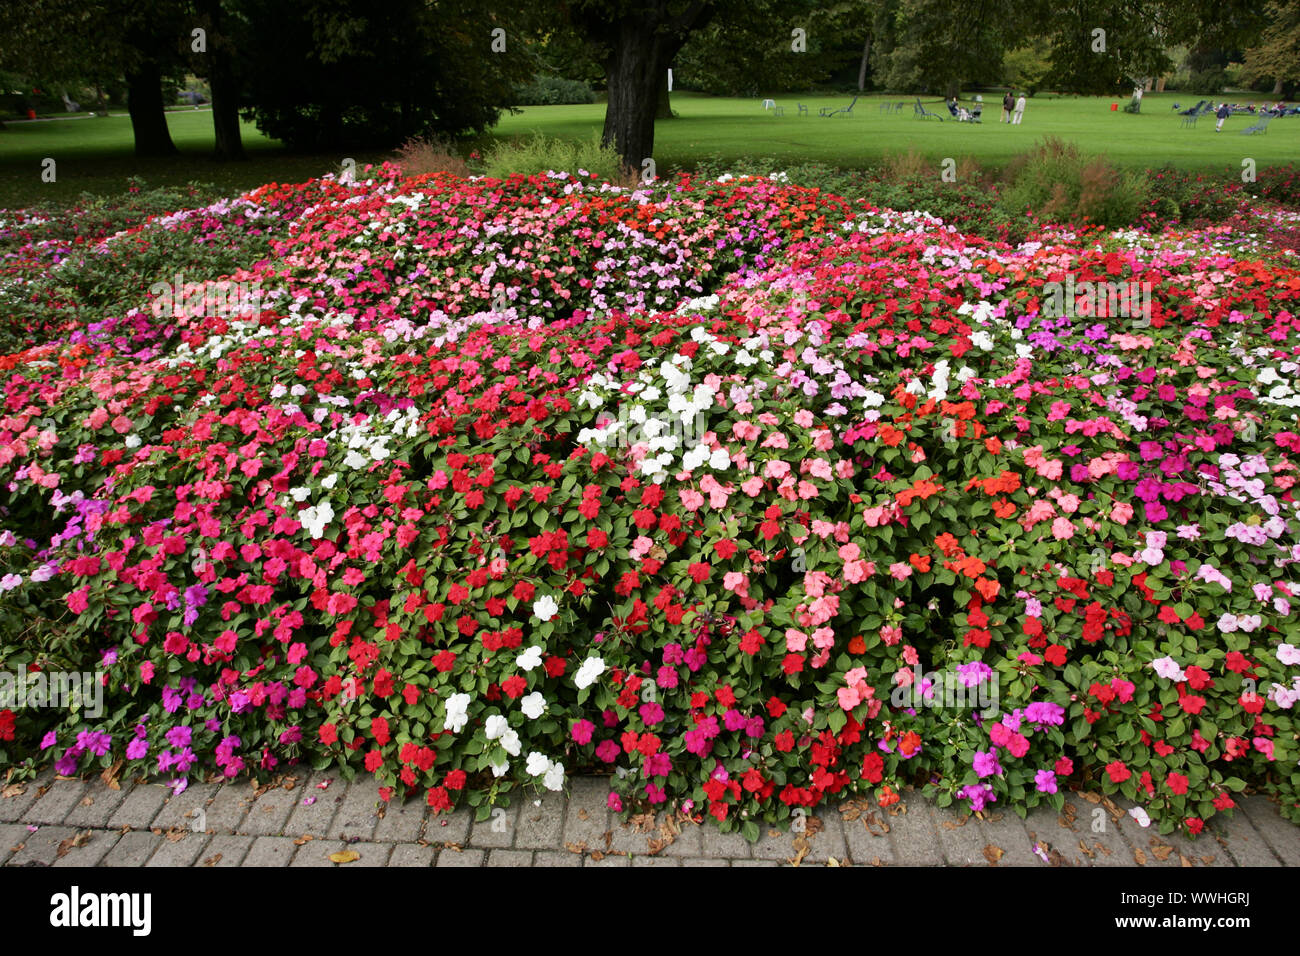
[
  {"x": 689, "y": 842},
  {"x": 556, "y": 858},
  {"x": 754, "y": 863},
  {"x": 510, "y": 858},
  {"x": 11, "y": 834},
  {"x": 42, "y": 847},
  {"x": 270, "y": 812},
  {"x": 611, "y": 859},
  {"x": 730, "y": 846},
  {"x": 314, "y": 818},
  {"x": 193, "y": 799},
  {"x": 960, "y": 836},
  {"x": 540, "y": 827},
  {"x": 463, "y": 858},
  {"x": 587, "y": 817},
  {"x": 1282, "y": 836},
  {"x": 411, "y": 854},
  {"x": 1005, "y": 830},
  {"x": 1244, "y": 845},
  {"x": 372, "y": 854},
  {"x": 228, "y": 808},
  {"x": 1043, "y": 826},
  {"x": 104, "y": 802},
  {"x": 225, "y": 850},
  {"x": 57, "y": 803},
  {"x": 448, "y": 827},
  {"x": 270, "y": 851},
  {"x": 773, "y": 844},
  {"x": 914, "y": 834},
  {"x": 139, "y": 808},
  {"x": 704, "y": 861},
  {"x": 132, "y": 850},
  {"x": 182, "y": 852},
  {"x": 356, "y": 814},
  {"x": 13, "y": 808},
  {"x": 498, "y": 830},
  {"x": 93, "y": 851},
  {"x": 402, "y": 822},
  {"x": 659, "y": 861},
  {"x": 829, "y": 840},
  {"x": 316, "y": 853},
  {"x": 864, "y": 845}
]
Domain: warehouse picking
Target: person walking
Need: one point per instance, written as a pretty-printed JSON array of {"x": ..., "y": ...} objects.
[
  {"x": 1007, "y": 105},
  {"x": 1020, "y": 110},
  {"x": 1222, "y": 113}
]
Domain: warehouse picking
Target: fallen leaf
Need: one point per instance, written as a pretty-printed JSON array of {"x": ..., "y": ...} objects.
[
  {"x": 345, "y": 856},
  {"x": 1183, "y": 861},
  {"x": 1139, "y": 857},
  {"x": 13, "y": 790},
  {"x": 1207, "y": 860},
  {"x": 801, "y": 850},
  {"x": 814, "y": 825},
  {"x": 80, "y": 839},
  {"x": 305, "y": 838},
  {"x": 175, "y": 834},
  {"x": 873, "y": 823},
  {"x": 993, "y": 854},
  {"x": 87, "y": 801},
  {"x": 1090, "y": 797},
  {"x": 831, "y": 861},
  {"x": 1067, "y": 816},
  {"x": 597, "y": 856},
  {"x": 1160, "y": 851},
  {"x": 576, "y": 847},
  {"x": 583, "y": 814},
  {"x": 212, "y": 860},
  {"x": 110, "y": 775}
]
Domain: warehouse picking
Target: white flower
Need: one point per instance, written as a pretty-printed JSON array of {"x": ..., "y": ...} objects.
[
  {"x": 591, "y": 668},
  {"x": 720, "y": 460},
  {"x": 537, "y": 764},
  {"x": 500, "y": 771},
  {"x": 533, "y": 706},
  {"x": 545, "y": 607},
  {"x": 510, "y": 743},
  {"x": 554, "y": 779},
  {"x": 316, "y": 518},
  {"x": 1168, "y": 668},
  {"x": 1288, "y": 654},
  {"x": 530, "y": 658},
  {"x": 329, "y": 482},
  {"x": 495, "y": 726},
  {"x": 1140, "y": 815},
  {"x": 457, "y": 713},
  {"x": 355, "y": 459}
]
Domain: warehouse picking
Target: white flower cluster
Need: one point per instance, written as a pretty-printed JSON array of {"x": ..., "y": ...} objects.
[
  {"x": 661, "y": 414},
  {"x": 497, "y": 728},
  {"x": 1283, "y": 391},
  {"x": 368, "y": 440},
  {"x": 551, "y": 771},
  {"x": 591, "y": 668}
]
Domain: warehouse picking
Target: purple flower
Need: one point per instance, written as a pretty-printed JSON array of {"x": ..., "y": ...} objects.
[
  {"x": 137, "y": 748},
  {"x": 179, "y": 737},
  {"x": 1045, "y": 781},
  {"x": 986, "y": 763},
  {"x": 1045, "y": 714}
]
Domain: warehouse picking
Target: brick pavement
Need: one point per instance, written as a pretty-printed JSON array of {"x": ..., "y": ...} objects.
[{"x": 304, "y": 819}]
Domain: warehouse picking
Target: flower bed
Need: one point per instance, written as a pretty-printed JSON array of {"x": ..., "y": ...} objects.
[{"x": 750, "y": 494}]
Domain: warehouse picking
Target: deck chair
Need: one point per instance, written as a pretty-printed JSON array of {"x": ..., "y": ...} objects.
[
  {"x": 803, "y": 109},
  {"x": 920, "y": 112},
  {"x": 1194, "y": 110},
  {"x": 1261, "y": 125},
  {"x": 1189, "y": 119},
  {"x": 847, "y": 110}
]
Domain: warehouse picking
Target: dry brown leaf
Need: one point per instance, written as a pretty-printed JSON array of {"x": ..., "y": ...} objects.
[
  {"x": 176, "y": 833},
  {"x": 345, "y": 856},
  {"x": 1207, "y": 860},
  {"x": 801, "y": 850},
  {"x": 831, "y": 861},
  {"x": 1160, "y": 851},
  {"x": 1090, "y": 797},
  {"x": 642, "y": 822},
  {"x": 110, "y": 775},
  {"x": 13, "y": 790},
  {"x": 1183, "y": 861},
  {"x": 290, "y": 783},
  {"x": 576, "y": 847},
  {"x": 875, "y": 826},
  {"x": 305, "y": 838},
  {"x": 87, "y": 801},
  {"x": 1139, "y": 857},
  {"x": 655, "y": 847},
  {"x": 875, "y": 861},
  {"x": 608, "y": 837},
  {"x": 814, "y": 825},
  {"x": 80, "y": 839},
  {"x": 597, "y": 856},
  {"x": 583, "y": 814},
  {"x": 212, "y": 860},
  {"x": 993, "y": 854},
  {"x": 1067, "y": 816},
  {"x": 852, "y": 810}
]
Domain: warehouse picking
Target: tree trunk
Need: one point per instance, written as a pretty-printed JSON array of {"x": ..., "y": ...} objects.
[
  {"x": 228, "y": 139},
  {"x": 664, "y": 107},
  {"x": 1277, "y": 86},
  {"x": 148, "y": 119},
  {"x": 862, "y": 67},
  {"x": 635, "y": 69}
]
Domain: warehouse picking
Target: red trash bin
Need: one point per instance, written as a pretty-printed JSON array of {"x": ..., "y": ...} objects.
[
  {"x": 1114, "y": 107},
  {"x": 31, "y": 114}
]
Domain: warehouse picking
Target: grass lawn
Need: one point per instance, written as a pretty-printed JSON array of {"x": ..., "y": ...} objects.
[
  {"x": 95, "y": 154},
  {"x": 735, "y": 128}
]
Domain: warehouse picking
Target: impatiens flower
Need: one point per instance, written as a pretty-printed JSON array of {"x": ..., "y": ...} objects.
[
  {"x": 1168, "y": 668},
  {"x": 529, "y": 659},
  {"x": 458, "y": 713},
  {"x": 533, "y": 706},
  {"x": 591, "y": 668},
  {"x": 545, "y": 608},
  {"x": 1045, "y": 781}
]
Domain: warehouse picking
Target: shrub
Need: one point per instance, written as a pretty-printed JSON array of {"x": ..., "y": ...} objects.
[
  {"x": 539, "y": 154},
  {"x": 1056, "y": 182},
  {"x": 546, "y": 90},
  {"x": 430, "y": 154}
]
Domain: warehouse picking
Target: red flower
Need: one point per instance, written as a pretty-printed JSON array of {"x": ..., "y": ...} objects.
[
  {"x": 1118, "y": 771},
  {"x": 1194, "y": 825},
  {"x": 379, "y": 728},
  {"x": 329, "y": 734},
  {"x": 873, "y": 767},
  {"x": 374, "y": 760},
  {"x": 514, "y": 686},
  {"x": 438, "y": 799}
]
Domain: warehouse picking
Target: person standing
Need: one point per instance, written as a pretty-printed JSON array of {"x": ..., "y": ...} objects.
[
  {"x": 1222, "y": 113},
  {"x": 1020, "y": 110},
  {"x": 1007, "y": 104}
]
